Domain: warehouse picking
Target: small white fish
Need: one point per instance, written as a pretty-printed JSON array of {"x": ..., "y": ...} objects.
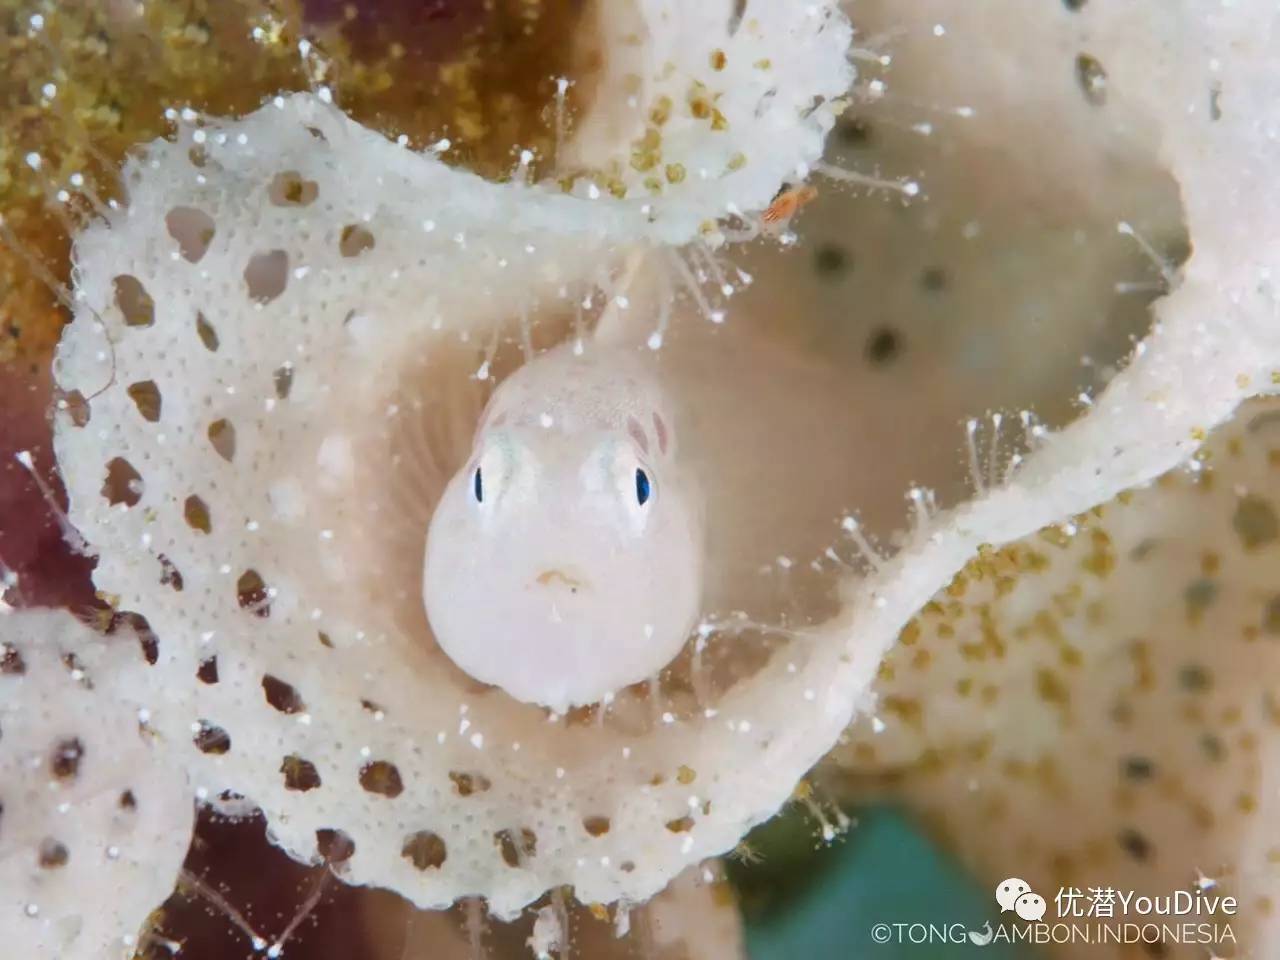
[{"x": 564, "y": 560}]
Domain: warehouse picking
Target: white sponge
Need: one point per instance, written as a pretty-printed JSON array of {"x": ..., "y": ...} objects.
[
  {"x": 288, "y": 305},
  {"x": 94, "y": 819}
]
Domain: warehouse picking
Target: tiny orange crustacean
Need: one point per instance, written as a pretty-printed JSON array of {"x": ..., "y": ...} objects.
[{"x": 786, "y": 204}]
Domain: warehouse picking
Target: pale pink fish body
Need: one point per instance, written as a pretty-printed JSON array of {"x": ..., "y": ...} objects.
[{"x": 564, "y": 560}]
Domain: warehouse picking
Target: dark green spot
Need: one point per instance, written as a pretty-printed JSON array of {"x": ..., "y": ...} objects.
[
  {"x": 1199, "y": 595},
  {"x": 1134, "y": 844},
  {"x": 933, "y": 279},
  {"x": 883, "y": 346},
  {"x": 1122, "y": 713},
  {"x": 1194, "y": 678},
  {"x": 830, "y": 260},
  {"x": 1212, "y": 747},
  {"x": 1143, "y": 549},
  {"x": 853, "y": 131},
  {"x": 1138, "y": 768},
  {"x": 1255, "y": 521},
  {"x": 1271, "y": 616}
]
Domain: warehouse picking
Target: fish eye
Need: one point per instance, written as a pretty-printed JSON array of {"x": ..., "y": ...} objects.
[
  {"x": 477, "y": 486},
  {"x": 643, "y": 489}
]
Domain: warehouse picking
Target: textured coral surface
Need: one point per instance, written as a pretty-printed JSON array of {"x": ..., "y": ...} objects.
[{"x": 1095, "y": 706}]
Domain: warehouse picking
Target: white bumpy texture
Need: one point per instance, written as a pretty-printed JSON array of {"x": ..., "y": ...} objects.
[
  {"x": 94, "y": 817},
  {"x": 259, "y": 324},
  {"x": 1098, "y": 700},
  {"x": 728, "y": 99}
]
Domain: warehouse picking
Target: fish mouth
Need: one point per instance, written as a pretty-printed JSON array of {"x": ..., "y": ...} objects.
[{"x": 557, "y": 577}]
